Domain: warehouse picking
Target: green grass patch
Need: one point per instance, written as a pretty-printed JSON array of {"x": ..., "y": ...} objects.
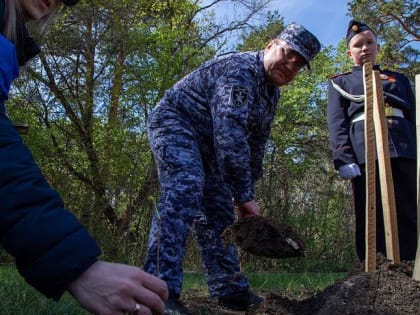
[
  {"x": 18, "y": 298},
  {"x": 292, "y": 284}
]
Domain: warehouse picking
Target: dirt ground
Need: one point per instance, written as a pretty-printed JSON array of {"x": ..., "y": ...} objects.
[{"x": 390, "y": 290}]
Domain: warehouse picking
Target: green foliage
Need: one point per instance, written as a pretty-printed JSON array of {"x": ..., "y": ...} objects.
[{"x": 259, "y": 36}]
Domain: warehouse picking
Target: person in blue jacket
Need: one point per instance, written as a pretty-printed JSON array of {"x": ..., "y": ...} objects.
[
  {"x": 346, "y": 129},
  {"x": 53, "y": 251},
  {"x": 208, "y": 135}
]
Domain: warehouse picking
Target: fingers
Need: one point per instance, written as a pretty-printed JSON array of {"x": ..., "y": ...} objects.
[
  {"x": 140, "y": 309},
  {"x": 152, "y": 292},
  {"x": 154, "y": 284},
  {"x": 109, "y": 288},
  {"x": 149, "y": 300},
  {"x": 248, "y": 209},
  {"x": 142, "y": 288}
]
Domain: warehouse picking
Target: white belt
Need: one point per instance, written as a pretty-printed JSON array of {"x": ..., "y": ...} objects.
[{"x": 389, "y": 112}]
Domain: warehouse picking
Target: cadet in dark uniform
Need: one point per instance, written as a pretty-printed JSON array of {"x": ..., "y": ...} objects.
[
  {"x": 53, "y": 251},
  {"x": 208, "y": 135},
  {"x": 346, "y": 128}
]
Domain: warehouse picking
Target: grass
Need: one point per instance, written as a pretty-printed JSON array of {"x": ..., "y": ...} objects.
[
  {"x": 18, "y": 298},
  {"x": 292, "y": 284}
]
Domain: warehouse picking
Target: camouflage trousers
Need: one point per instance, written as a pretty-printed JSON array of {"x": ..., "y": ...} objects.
[{"x": 193, "y": 197}]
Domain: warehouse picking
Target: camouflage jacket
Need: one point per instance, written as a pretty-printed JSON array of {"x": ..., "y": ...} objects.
[{"x": 231, "y": 106}]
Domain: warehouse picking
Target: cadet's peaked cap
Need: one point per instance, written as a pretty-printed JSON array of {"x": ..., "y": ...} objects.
[
  {"x": 356, "y": 27},
  {"x": 70, "y": 2},
  {"x": 301, "y": 40}
]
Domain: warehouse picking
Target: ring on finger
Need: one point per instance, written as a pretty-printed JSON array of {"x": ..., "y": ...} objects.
[{"x": 136, "y": 308}]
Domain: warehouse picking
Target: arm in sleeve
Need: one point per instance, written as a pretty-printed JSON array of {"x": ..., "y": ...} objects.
[
  {"x": 8, "y": 66},
  {"x": 257, "y": 144},
  {"x": 259, "y": 136},
  {"x": 411, "y": 100},
  {"x": 338, "y": 128},
  {"x": 230, "y": 107},
  {"x": 49, "y": 244}
]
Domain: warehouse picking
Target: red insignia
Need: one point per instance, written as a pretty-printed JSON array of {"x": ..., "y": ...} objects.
[{"x": 387, "y": 77}]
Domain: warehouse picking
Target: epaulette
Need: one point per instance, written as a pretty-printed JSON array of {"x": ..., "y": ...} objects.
[{"x": 339, "y": 74}]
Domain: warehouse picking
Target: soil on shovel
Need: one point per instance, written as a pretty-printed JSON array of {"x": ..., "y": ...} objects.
[
  {"x": 390, "y": 290},
  {"x": 262, "y": 237}
]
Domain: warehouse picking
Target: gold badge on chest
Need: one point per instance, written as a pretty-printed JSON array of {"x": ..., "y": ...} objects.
[{"x": 388, "y": 111}]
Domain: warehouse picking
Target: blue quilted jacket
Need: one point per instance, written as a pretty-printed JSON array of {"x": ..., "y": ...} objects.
[{"x": 49, "y": 244}]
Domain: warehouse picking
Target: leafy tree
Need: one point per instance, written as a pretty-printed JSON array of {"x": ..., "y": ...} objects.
[{"x": 259, "y": 36}]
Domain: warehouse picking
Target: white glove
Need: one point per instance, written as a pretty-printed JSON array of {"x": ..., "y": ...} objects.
[{"x": 349, "y": 171}]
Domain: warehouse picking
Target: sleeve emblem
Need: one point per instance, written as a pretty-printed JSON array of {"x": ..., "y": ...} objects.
[{"x": 238, "y": 96}]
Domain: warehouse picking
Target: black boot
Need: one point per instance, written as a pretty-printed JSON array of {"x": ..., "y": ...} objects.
[{"x": 240, "y": 301}]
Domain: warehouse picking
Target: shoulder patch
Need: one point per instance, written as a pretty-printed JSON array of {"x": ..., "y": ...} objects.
[
  {"x": 339, "y": 74},
  {"x": 386, "y": 77},
  {"x": 238, "y": 96}
]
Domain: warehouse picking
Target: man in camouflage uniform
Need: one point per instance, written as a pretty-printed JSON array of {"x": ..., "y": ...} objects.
[{"x": 208, "y": 135}]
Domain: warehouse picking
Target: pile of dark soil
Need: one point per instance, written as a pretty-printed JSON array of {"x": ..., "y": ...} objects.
[{"x": 390, "y": 290}]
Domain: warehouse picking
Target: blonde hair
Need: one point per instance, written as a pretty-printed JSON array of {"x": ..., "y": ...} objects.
[
  {"x": 12, "y": 13},
  {"x": 13, "y": 16}
]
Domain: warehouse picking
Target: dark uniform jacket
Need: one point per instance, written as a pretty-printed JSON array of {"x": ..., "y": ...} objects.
[
  {"x": 346, "y": 102},
  {"x": 49, "y": 244},
  {"x": 231, "y": 106}
]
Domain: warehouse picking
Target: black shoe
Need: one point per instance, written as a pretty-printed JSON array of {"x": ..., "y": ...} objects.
[
  {"x": 174, "y": 307},
  {"x": 240, "y": 301}
]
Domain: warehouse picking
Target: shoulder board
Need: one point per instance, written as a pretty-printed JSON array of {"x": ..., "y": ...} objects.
[
  {"x": 389, "y": 75},
  {"x": 339, "y": 74}
]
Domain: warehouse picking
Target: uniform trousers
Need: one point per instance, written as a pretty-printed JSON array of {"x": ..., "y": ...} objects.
[
  {"x": 193, "y": 196},
  {"x": 404, "y": 178}
]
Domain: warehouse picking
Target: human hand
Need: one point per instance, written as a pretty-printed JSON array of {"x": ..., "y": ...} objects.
[
  {"x": 110, "y": 288},
  {"x": 349, "y": 171},
  {"x": 248, "y": 209}
]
